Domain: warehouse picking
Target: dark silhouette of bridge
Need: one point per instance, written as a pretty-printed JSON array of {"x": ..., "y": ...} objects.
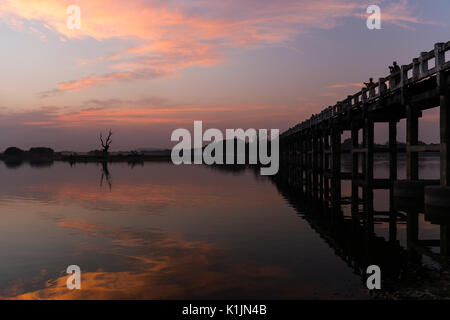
[
  {"x": 405, "y": 268},
  {"x": 310, "y": 152}
]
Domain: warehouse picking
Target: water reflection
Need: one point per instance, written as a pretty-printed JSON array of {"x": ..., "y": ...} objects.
[
  {"x": 105, "y": 175},
  {"x": 411, "y": 248},
  {"x": 154, "y": 265},
  {"x": 166, "y": 232},
  {"x": 162, "y": 231},
  {"x": 12, "y": 163}
]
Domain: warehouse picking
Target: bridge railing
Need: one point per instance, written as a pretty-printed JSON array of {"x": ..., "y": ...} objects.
[{"x": 425, "y": 66}]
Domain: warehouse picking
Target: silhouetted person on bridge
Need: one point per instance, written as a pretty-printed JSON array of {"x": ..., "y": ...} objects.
[
  {"x": 394, "y": 68},
  {"x": 369, "y": 84}
]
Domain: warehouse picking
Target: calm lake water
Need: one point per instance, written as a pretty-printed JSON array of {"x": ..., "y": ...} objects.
[{"x": 159, "y": 231}]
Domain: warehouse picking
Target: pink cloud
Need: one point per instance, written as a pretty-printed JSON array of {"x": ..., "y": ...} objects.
[
  {"x": 346, "y": 85},
  {"x": 145, "y": 113},
  {"x": 92, "y": 80},
  {"x": 171, "y": 36}
]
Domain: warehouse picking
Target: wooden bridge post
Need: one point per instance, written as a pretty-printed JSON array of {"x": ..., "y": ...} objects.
[
  {"x": 364, "y": 154},
  {"x": 296, "y": 143},
  {"x": 288, "y": 150},
  {"x": 304, "y": 162},
  {"x": 412, "y": 118},
  {"x": 445, "y": 240},
  {"x": 393, "y": 150},
  {"x": 308, "y": 164},
  {"x": 355, "y": 170},
  {"x": 368, "y": 177},
  {"x": 441, "y": 196},
  {"x": 412, "y": 139},
  {"x": 293, "y": 150},
  {"x": 392, "y": 177},
  {"x": 296, "y": 168},
  {"x": 326, "y": 167},
  {"x": 292, "y": 162},
  {"x": 369, "y": 145},
  {"x": 321, "y": 164},
  {"x": 336, "y": 168},
  {"x": 445, "y": 138},
  {"x": 315, "y": 164},
  {"x": 444, "y": 115},
  {"x": 311, "y": 165},
  {"x": 300, "y": 161}
]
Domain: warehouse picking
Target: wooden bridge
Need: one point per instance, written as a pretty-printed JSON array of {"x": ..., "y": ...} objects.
[{"x": 311, "y": 150}]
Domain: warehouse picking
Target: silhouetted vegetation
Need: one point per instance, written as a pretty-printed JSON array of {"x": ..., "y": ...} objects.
[
  {"x": 41, "y": 153},
  {"x": 13, "y": 152},
  {"x": 38, "y": 157}
]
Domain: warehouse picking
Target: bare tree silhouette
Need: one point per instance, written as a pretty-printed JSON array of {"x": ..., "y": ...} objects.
[{"x": 107, "y": 143}]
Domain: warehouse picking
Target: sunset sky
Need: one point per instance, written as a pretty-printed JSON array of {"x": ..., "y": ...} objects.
[{"x": 146, "y": 67}]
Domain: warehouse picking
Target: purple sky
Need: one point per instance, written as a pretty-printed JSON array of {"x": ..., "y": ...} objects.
[{"x": 149, "y": 67}]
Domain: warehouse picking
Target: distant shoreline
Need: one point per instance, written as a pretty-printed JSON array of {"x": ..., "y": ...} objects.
[
  {"x": 42, "y": 155},
  {"x": 114, "y": 158},
  {"x": 50, "y": 156}
]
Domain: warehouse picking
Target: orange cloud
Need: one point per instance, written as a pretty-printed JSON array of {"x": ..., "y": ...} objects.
[
  {"x": 347, "y": 85},
  {"x": 172, "y": 36},
  {"x": 91, "y": 81},
  {"x": 146, "y": 112}
]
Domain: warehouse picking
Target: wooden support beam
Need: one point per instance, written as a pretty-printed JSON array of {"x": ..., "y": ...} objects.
[
  {"x": 321, "y": 165},
  {"x": 355, "y": 169},
  {"x": 315, "y": 165},
  {"x": 412, "y": 139},
  {"x": 368, "y": 175},
  {"x": 393, "y": 173},
  {"x": 369, "y": 146},
  {"x": 300, "y": 161},
  {"x": 445, "y": 240},
  {"x": 336, "y": 168},
  {"x": 393, "y": 150},
  {"x": 308, "y": 165},
  {"x": 445, "y": 131}
]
